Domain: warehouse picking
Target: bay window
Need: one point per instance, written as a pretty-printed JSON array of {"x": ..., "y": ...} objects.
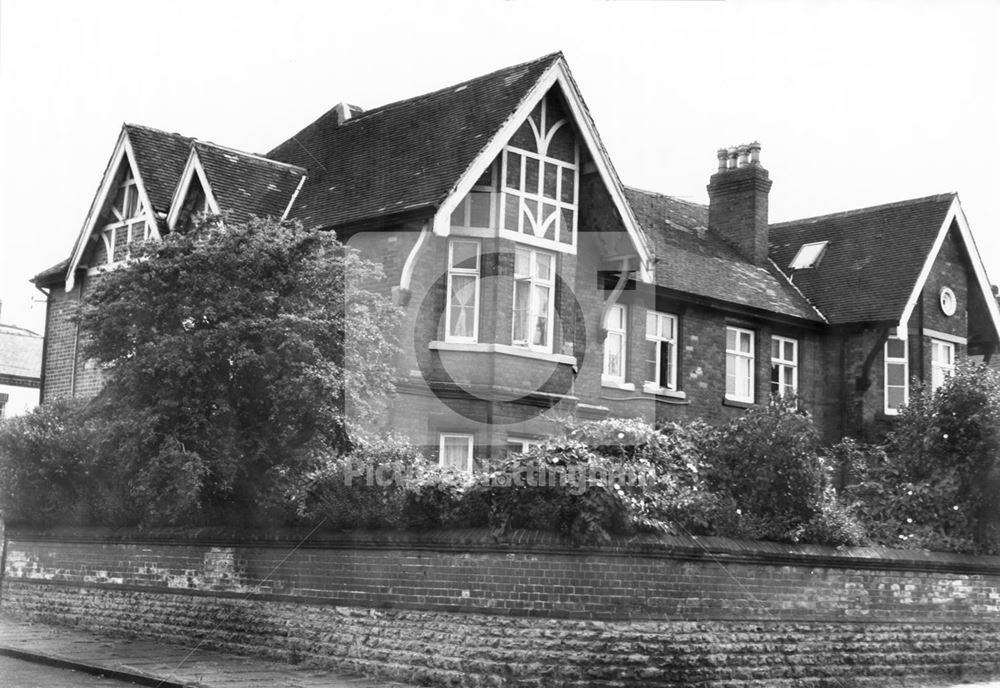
[{"x": 534, "y": 299}]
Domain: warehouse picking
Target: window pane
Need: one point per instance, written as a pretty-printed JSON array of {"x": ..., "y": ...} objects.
[
  {"x": 462, "y": 302},
  {"x": 651, "y": 352},
  {"x": 895, "y": 348},
  {"x": 479, "y": 213},
  {"x": 568, "y": 185},
  {"x": 522, "y": 262},
  {"x": 789, "y": 351},
  {"x": 543, "y": 266},
  {"x": 613, "y": 349},
  {"x": 551, "y": 175},
  {"x": 455, "y": 452},
  {"x": 650, "y": 326},
  {"x": 731, "y": 375},
  {"x": 511, "y": 206},
  {"x": 731, "y": 339},
  {"x": 775, "y": 348},
  {"x": 465, "y": 255},
  {"x": 541, "y": 316},
  {"x": 513, "y": 180},
  {"x": 531, "y": 175},
  {"x": 745, "y": 345},
  {"x": 520, "y": 329},
  {"x": 896, "y": 375},
  {"x": 895, "y": 397},
  {"x": 666, "y": 367}
]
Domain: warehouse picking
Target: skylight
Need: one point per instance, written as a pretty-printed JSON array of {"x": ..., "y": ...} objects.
[{"x": 809, "y": 255}]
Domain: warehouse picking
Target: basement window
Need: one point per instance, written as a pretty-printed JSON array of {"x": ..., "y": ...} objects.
[{"x": 809, "y": 255}]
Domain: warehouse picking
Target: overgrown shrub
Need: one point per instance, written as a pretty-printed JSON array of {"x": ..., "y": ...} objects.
[
  {"x": 936, "y": 483},
  {"x": 771, "y": 481},
  {"x": 52, "y": 470}
]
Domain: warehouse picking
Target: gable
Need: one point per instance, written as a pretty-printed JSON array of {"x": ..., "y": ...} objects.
[
  {"x": 549, "y": 134},
  {"x": 120, "y": 214}
]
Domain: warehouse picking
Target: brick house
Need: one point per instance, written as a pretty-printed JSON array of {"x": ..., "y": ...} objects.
[{"x": 535, "y": 285}]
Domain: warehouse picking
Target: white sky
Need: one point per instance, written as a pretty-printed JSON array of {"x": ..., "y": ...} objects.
[{"x": 855, "y": 103}]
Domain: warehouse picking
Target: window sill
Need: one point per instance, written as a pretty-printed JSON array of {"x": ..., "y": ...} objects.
[
  {"x": 650, "y": 388},
  {"x": 737, "y": 403},
  {"x": 479, "y": 347},
  {"x": 615, "y": 383}
]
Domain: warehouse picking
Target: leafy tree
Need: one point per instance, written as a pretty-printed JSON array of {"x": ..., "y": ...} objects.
[{"x": 230, "y": 352}]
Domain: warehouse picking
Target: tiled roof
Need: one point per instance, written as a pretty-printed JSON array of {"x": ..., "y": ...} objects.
[
  {"x": 161, "y": 158},
  {"x": 20, "y": 352},
  {"x": 405, "y": 155},
  {"x": 873, "y": 259},
  {"x": 694, "y": 260},
  {"x": 52, "y": 275},
  {"x": 248, "y": 184}
]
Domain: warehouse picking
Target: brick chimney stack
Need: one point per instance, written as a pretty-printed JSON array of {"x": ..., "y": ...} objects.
[{"x": 737, "y": 201}]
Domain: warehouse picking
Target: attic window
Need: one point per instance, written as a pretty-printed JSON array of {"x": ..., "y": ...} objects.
[{"x": 809, "y": 255}]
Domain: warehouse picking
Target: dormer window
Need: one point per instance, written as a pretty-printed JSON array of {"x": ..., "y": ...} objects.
[
  {"x": 809, "y": 255},
  {"x": 540, "y": 179},
  {"x": 124, "y": 219}
]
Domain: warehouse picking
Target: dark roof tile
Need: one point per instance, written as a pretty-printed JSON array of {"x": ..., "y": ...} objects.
[
  {"x": 161, "y": 157},
  {"x": 873, "y": 259},
  {"x": 248, "y": 184},
  {"x": 692, "y": 259},
  {"x": 405, "y": 155}
]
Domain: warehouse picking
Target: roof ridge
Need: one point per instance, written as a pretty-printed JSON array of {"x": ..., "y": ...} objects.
[
  {"x": 21, "y": 331},
  {"x": 483, "y": 77},
  {"x": 663, "y": 195},
  {"x": 133, "y": 125},
  {"x": 868, "y": 209},
  {"x": 256, "y": 156}
]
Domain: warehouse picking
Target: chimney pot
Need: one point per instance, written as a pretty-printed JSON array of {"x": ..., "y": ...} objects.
[
  {"x": 723, "y": 155},
  {"x": 737, "y": 208},
  {"x": 742, "y": 151}
]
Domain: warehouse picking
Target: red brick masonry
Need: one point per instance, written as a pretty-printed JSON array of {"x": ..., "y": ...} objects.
[{"x": 459, "y": 608}]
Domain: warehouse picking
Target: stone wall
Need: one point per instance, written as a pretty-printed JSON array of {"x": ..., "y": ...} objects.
[{"x": 461, "y": 609}]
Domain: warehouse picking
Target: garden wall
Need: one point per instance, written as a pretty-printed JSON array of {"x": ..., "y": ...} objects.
[{"x": 458, "y": 608}]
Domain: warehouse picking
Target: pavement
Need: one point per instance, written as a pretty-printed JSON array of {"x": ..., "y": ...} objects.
[{"x": 155, "y": 663}]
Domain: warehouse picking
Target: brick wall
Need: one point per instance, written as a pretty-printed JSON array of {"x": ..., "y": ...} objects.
[{"x": 462, "y": 609}]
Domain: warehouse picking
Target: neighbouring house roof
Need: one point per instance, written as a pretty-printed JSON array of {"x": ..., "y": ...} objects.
[
  {"x": 692, "y": 259},
  {"x": 52, "y": 275},
  {"x": 20, "y": 352},
  {"x": 248, "y": 184},
  {"x": 405, "y": 155},
  {"x": 873, "y": 260}
]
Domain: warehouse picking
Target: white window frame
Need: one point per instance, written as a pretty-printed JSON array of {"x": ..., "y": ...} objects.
[
  {"x": 809, "y": 255},
  {"x": 903, "y": 361},
  {"x": 608, "y": 377},
  {"x": 464, "y": 209},
  {"x": 736, "y": 356},
  {"x": 468, "y": 438},
  {"x": 941, "y": 371},
  {"x": 652, "y": 335},
  {"x": 534, "y": 283},
  {"x": 784, "y": 364},
  {"x": 109, "y": 232},
  {"x": 464, "y": 272},
  {"x": 526, "y": 443},
  {"x": 544, "y": 132}
]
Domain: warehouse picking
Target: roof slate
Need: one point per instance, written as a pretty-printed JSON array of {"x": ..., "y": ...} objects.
[
  {"x": 20, "y": 352},
  {"x": 248, "y": 184},
  {"x": 872, "y": 262},
  {"x": 161, "y": 158},
  {"x": 406, "y": 155},
  {"x": 692, "y": 259}
]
